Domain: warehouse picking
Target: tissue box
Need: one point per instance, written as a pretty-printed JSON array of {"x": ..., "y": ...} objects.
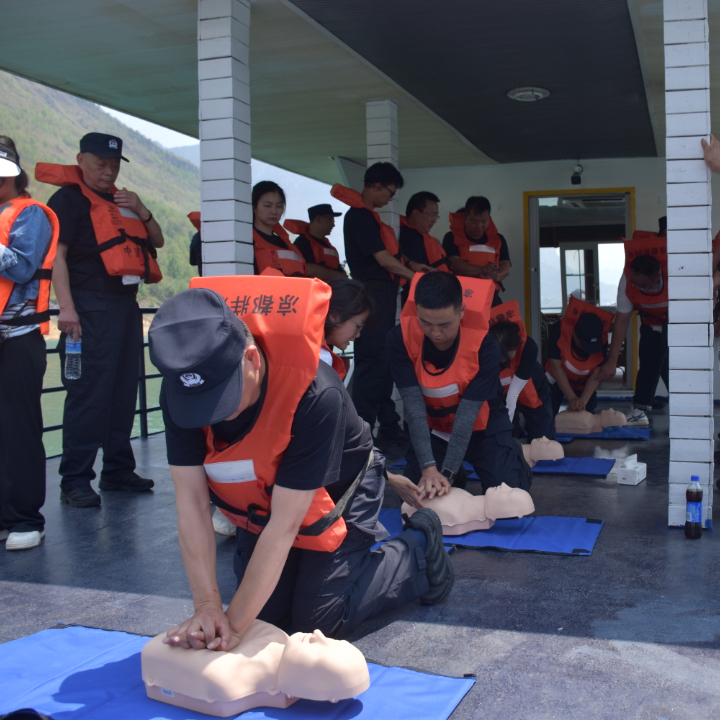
[{"x": 631, "y": 472}]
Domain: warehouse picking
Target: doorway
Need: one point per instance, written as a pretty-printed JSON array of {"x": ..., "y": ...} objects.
[{"x": 574, "y": 247}]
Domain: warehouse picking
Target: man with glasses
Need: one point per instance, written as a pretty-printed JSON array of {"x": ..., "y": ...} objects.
[
  {"x": 416, "y": 243},
  {"x": 374, "y": 257},
  {"x": 643, "y": 287}
]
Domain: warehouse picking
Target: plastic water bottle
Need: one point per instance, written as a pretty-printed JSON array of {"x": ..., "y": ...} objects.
[
  {"x": 693, "y": 519},
  {"x": 73, "y": 366}
]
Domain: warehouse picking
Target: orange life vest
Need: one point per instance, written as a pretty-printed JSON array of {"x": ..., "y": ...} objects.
[
  {"x": 354, "y": 199},
  {"x": 9, "y": 212},
  {"x": 653, "y": 309},
  {"x": 436, "y": 256},
  {"x": 194, "y": 218},
  {"x": 123, "y": 242},
  {"x": 577, "y": 370},
  {"x": 472, "y": 251},
  {"x": 323, "y": 252},
  {"x": 443, "y": 389},
  {"x": 511, "y": 311},
  {"x": 338, "y": 364},
  {"x": 287, "y": 318},
  {"x": 287, "y": 260}
]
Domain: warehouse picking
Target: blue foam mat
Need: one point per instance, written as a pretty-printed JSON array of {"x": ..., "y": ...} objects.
[
  {"x": 85, "y": 674},
  {"x": 575, "y": 466},
  {"x": 548, "y": 534},
  {"x": 615, "y": 433}
]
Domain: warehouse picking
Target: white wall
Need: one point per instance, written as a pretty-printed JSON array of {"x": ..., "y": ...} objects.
[{"x": 504, "y": 185}]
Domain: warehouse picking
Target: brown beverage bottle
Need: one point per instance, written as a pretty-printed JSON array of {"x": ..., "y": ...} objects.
[{"x": 693, "y": 519}]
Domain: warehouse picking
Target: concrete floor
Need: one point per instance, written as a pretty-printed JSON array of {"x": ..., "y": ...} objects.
[{"x": 633, "y": 631}]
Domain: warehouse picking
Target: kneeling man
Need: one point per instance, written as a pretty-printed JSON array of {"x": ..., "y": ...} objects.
[
  {"x": 255, "y": 423},
  {"x": 445, "y": 365}
]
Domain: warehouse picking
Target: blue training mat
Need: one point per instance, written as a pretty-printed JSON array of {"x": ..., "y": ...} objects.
[
  {"x": 575, "y": 466},
  {"x": 549, "y": 534},
  {"x": 80, "y": 673},
  {"x": 614, "y": 433}
]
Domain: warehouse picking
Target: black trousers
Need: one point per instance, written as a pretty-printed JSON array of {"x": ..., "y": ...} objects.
[
  {"x": 372, "y": 380},
  {"x": 22, "y": 455},
  {"x": 100, "y": 406},
  {"x": 653, "y": 364},
  {"x": 494, "y": 458},
  {"x": 336, "y": 591},
  {"x": 539, "y": 421}
]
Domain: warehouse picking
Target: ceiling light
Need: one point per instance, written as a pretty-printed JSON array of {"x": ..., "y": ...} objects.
[{"x": 528, "y": 94}]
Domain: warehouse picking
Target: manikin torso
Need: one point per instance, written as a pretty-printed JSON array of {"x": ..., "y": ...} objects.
[
  {"x": 267, "y": 669},
  {"x": 542, "y": 449},
  {"x": 584, "y": 423},
  {"x": 460, "y": 512}
]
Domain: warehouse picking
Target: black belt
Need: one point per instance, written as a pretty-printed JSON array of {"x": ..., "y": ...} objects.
[{"x": 319, "y": 526}]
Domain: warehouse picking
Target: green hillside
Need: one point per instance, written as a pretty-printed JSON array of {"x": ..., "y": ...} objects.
[{"x": 47, "y": 124}]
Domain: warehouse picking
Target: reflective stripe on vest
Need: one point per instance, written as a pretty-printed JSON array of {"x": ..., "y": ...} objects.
[
  {"x": 441, "y": 392},
  {"x": 322, "y": 255},
  {"x": 577, "y": 371},
  {"x": 289, "y": 255},
  {"x": 9, "y": 212},
  {"x": 267, "y": 255},
  {"x": 242, "y": 474},
  {"x": 482, "y": 248},
  {"x": 122, "y": 238}
]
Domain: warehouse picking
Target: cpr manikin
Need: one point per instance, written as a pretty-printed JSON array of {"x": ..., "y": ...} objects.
[
  {"x": 542, "y": 449},
  {"x": 460, "y": 512},
  {"x": 584, "y": 423},
  {"x": 267, "y": 669}
]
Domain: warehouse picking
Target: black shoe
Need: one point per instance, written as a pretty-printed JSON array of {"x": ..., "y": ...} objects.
[
  {"x": 80, "y": 496},
  {"x": 129, "y": 482},
  {"x": 440, "y": 570}
]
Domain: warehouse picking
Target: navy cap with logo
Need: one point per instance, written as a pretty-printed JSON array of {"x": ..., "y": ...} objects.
[
  {"x": 324, "y": 209},
  {"x": 197, "y": 344},
  {"x": 589, "y": 332},
  {"x": 106, "y": 146},
  {"x": 9, "y": 161}
]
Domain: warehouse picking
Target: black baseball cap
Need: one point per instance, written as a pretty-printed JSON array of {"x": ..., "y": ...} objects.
[
  {"x": 324, "y": 209},
  {"x": 197, "y": 344},
  {"x": 589, "y": 332},
  {"x": 10, "y": 162},
  {"x": 107, "y": 146}
]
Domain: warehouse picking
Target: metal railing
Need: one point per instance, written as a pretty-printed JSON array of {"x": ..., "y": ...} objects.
[{"x": 143, "y": 377}]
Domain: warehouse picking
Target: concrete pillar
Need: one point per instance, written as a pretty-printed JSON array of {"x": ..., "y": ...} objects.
[
  {"x": 381, "y": 119},
  {"x": 687, "y": 107},
  {"x": 224, "y": 114}
]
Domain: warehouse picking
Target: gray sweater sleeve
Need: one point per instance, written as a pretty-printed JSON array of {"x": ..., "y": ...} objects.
[
  {"x": 465, "y": 417},
  {"x": 417, "y": 421}
]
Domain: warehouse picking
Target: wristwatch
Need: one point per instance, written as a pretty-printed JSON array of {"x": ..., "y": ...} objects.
[{"x": 450, "y": 476}]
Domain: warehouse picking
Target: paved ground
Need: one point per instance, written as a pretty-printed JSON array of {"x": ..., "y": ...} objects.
[{"x": 629, "y": 632}]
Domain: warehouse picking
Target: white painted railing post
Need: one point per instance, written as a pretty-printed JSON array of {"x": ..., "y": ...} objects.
[
  {"x": 687, "y": 107},
  {"x": 381, "y": 118}
]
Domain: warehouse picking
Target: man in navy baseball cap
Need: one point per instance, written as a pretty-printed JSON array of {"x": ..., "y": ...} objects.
[{"x": 105, "y": 146}]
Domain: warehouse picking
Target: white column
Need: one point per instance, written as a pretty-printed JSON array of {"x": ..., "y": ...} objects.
[
  {"x": 381, "y": 119},
  {"x": 687, "y": 107},
  {"x": 224, "y": 113}
]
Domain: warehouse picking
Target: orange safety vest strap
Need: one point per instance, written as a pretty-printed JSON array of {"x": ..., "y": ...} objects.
[
  {"x": 474, "y": 252},
  {"x": 194, "y": 218},
  {"x": 323, "y": 254},
  {"x": 287, "y": 260},
  {"x": 436, "y": 256},
  {"x": 653, "y": 309}
]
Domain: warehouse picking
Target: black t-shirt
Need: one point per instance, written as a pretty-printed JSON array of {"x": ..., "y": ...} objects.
[
  {"x": 527, "y": 360},
  {"x": 329, "y": 445},
  {"x": 412, "y": 244},
  {"x": 305, "y": 249},
  {"x": 362, "y": 241},
  {"x": 451, "y": 248},
  {"x": 273, "y": 240},
  {"x": 85, "y": 265},
  {"x": 577, "y": 351},
  {"x": 485, "y": 386}
]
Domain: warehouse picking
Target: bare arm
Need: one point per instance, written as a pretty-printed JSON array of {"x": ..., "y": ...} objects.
[
  {"x": 68, "y": 320},
  {"x": 619, "y": 331},
  {"x": 558, "y": 372},
  {"x": 590, "y": 388},
  {"x": 504, "y": 270},
  {"x": 323, "y": 273},
  {"x": 131, "y": 201},
  {"x": 462, "y": 267},
  {"x": 711, "y": 152},
  {"x": 392, "y": 265}
]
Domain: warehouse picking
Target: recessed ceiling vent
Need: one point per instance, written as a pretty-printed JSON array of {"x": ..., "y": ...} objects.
[{"x": 528, "y": 94}]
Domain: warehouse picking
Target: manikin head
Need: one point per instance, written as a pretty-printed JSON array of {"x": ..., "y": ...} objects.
[
  {"x": 349, "y": 311},
  {"x": 644, "y": 272},
  {"x": 422, "y": 211},
  {"x": 99, "y": 160},
  {"x": 268, "y": 204},
  {"x": 507, "y": 333},
  {"x": 612, "y": 418},
  {"x": 542, "y": 449},
  {"x": 382, "y": 181},
  {"x": 13, "y": 179},
  {"x": 477, "y": 216},
  {"x": 440, "y": 307}
]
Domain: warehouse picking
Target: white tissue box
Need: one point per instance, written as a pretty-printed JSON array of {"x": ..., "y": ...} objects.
[{"x": 631, "y": 472}]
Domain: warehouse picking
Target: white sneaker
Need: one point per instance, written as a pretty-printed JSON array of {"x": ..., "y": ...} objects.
[
  {"x": 222, "y": 525},
  {"x": 4, "y": 534},
  {"x": 637, "y": 418},
  {"x": 24, "y": 541}
]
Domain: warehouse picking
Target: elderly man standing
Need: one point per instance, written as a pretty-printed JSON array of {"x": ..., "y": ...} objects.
[{"x": 106, "y": 248}]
